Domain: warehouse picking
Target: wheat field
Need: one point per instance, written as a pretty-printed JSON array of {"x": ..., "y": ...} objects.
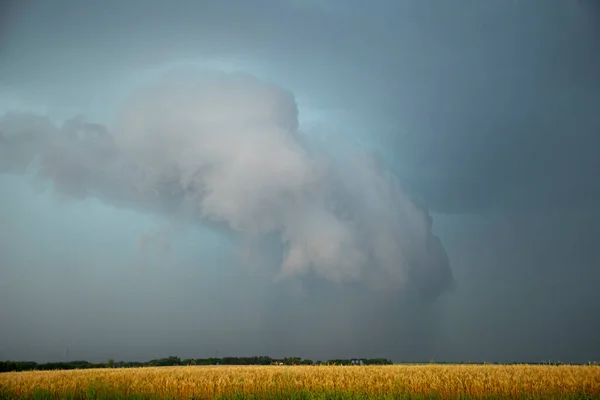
[{"x": 270, "y": 382}]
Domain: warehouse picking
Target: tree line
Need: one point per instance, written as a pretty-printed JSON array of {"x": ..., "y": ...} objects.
[{"x": 16, "y": 366}]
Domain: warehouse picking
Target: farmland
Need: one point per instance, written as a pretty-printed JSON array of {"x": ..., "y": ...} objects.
[{"x": 308, "y": 382}]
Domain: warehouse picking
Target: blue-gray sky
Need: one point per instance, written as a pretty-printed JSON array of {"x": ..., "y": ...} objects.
[{"x": 283, "y": 212}]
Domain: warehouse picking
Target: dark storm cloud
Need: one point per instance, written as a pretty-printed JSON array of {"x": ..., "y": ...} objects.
[
  {"x": 223, "y": 148},
  {"x": 223, "y": 151}
]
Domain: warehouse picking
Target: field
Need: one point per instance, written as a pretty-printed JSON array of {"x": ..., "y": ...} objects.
[{"x": 308, "y": 382}]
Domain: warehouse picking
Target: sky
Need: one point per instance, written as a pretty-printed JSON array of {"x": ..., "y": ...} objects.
[{"x": 413, "y": 180}]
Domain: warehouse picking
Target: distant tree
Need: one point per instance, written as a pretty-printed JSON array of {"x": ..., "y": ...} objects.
[{"x": 110, "y": 363}]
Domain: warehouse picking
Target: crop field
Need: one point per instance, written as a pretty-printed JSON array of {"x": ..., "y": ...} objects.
[{"x": 309, "y": 382}]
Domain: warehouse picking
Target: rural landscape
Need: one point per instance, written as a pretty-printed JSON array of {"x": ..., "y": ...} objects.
[
  {"x": 294, "y": 378},
  {"x": 299, "y": 199}
]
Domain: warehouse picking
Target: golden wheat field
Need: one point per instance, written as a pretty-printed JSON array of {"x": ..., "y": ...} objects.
[{"x": 397, "y": 381}]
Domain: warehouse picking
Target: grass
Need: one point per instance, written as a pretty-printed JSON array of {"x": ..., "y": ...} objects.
[{"x": 309, "y": 382}]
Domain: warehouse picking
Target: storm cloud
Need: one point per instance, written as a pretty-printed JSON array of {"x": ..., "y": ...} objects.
[
  {"x": 296, "y": 177},
  {"x": 222, "y": 148}
]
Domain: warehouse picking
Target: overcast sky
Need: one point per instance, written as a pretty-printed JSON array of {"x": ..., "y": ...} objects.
[{"x": 282, "y": 203}]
